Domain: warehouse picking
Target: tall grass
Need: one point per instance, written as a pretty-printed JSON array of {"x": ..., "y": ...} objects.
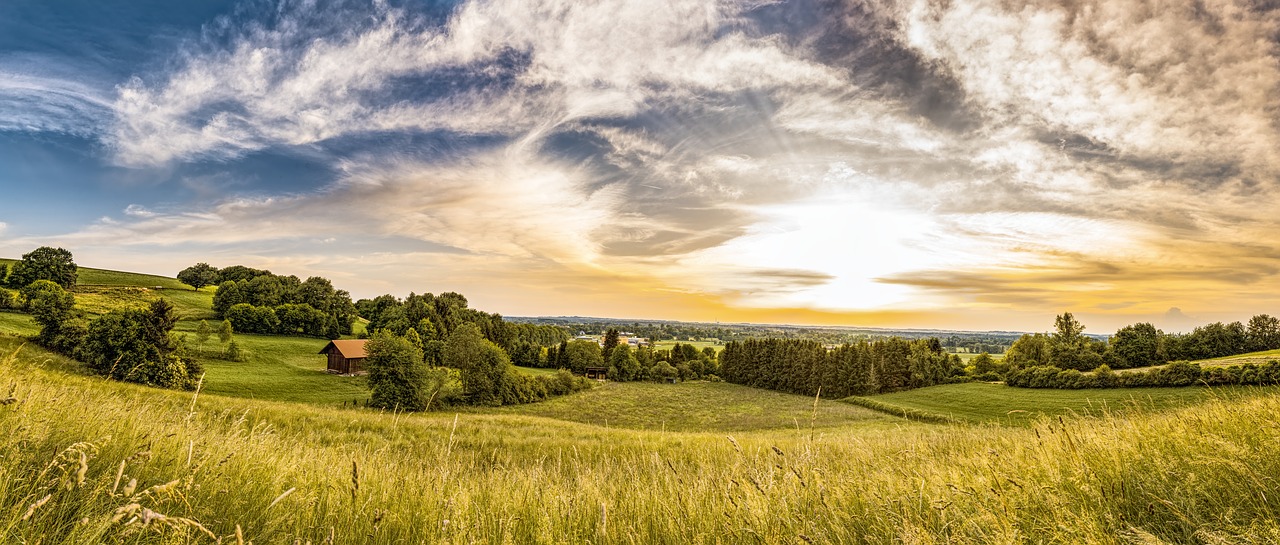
[{"x": 87, "y": 461}]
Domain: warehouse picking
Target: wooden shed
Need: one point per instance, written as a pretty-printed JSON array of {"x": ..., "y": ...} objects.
[{"x": 345, "y": 357}]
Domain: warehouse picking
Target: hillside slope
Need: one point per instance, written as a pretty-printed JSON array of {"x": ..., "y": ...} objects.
[{"x": 88, "y": 461}]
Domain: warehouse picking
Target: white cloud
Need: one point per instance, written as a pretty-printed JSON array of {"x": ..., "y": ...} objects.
[
  {"x": 1153, "y": 80},
  {"x": 40, "y": 103}
]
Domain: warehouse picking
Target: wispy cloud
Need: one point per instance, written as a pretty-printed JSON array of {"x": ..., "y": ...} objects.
[{"x": 44, "y": 103}]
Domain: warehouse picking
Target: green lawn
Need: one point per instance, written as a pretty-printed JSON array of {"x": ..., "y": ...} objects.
[
  {"x": 18, "y": 324},
  {"x": 693, "y": 406},
  {"x": 966, "y": 357},
  {"x": 101, "y": 277},
  {"x": 533, "y": 371},
  {"x": 997, "y": 403},
  {"x": 666, "y": 345},
  {"x": 278, "y": 369}
]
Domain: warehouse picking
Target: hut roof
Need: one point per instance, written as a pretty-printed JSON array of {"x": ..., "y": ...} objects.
[{"x": 350, "y": 349}]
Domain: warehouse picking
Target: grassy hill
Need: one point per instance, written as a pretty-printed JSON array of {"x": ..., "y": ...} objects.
[
  {"x": 695, "y": 406},
  {"x": 267, "y": 451},
  {"x": 999, "y": 404},
  {"x": 89, "y": 461}
]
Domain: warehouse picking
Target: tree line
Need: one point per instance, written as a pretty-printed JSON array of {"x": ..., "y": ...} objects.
[
  {"x": 258, "y": 301},
  {"x": 472, "y": 370},
  {"x": 1139, "y": 345},
  {"x": 1179, "y": 373},
  {"x": 867, "y": 367},
  {"x": 623, "y": 363}
]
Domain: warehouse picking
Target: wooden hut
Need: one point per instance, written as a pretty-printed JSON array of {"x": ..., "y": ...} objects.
[
  {"x": 345, "y": 357},
  {"x": 597, "y": 373}
]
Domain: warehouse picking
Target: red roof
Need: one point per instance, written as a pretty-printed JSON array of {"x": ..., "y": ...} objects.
[{"x": 350, "y": 349}]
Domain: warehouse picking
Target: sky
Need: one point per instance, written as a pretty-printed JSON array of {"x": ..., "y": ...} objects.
[{"x": 959, "y": 164}]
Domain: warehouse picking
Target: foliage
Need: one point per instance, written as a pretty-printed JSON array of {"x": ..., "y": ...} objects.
[
  {"x": 199, "y": 275},
  {"x": 235, "y": 353},
  {"x": 203, "y": 332},
  {"x": 609, "y": 342},
  {"x": 397, "y": 374},
  {"x": 1179, "y": 373},
  {"x": 1137, "y": 345},
  {"x": 225, "y": 331},
  {"x": 579, "y": 355},
  {"x": 53, "y": 309},
  {"x": 312, "y": 307},
  {"x": 807, "y": 367},
  {"x": 487, "y": 373},
  {"x": 44, "y": 263},
  {"x": 9, "y": 299},
  {"x": 135, "y": 346},
  {"x": 624, "y": 364}
]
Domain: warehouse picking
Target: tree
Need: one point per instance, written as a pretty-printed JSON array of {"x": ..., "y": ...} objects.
[
  {"x": 577, "y": 356},
  {"x": 610, "y": 342},
  {"x": 1068, "y": 347},
  {"x": 134, "y": 345},
  {"x": 984, "y": 364},
  {"x": 203, "y": 332},
  {"x": 1028, "y": 351},
  {"x": 485, "y": 369},
  {"x": 199, "y": 275},
  {"x": 625, "y": 363},
  {"x": 1263, "y": 333},
  {"x": 1137, "y": 345},
  {"x": 397, "y": 375},
  {"x": 225, "y": 331},
  {"x": 44, "y": 263},
  {"x": 53, "y": 308}
]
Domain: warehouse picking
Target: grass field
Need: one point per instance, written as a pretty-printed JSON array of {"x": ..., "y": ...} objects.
[
  {"x": 966, "y": 357},
  {"x": 666, "y": 345},
  {"x": 18, "y": 324},
  {"x": 278, "y": 369},
  {"x": 694, "y": 406},
  {"x": 89, "y": 461},
  {"x": 996, "y": 403}
]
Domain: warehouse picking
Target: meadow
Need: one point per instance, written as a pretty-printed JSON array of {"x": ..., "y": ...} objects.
[
  {"x": 96, "y": 462},
  {"x": 979, "y": 402},
  {"x": 272, "y": 451}
]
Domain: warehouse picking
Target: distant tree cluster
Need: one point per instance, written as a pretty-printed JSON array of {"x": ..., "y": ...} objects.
[
  {"x": 1179, "y": 373},
  {"x": 1139, "y": 345},
  {"x": 257, "y": 301},
  {"x": 474, "y": 371},
  {"x": 867, "y": 367},
  {"x": 624, "y": 364}
]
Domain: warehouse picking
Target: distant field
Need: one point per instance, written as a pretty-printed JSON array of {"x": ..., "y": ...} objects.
[
  {"x": 534, "y": 372},
  {"x": 666, "y": 345},
  {"x": 966, "y": 357},
  {"x": 694, "y": 406},
  {"x": 997, "y": 403},
  {"x": 1252, "y": 357},
  {"x": 103, "y": 277}
]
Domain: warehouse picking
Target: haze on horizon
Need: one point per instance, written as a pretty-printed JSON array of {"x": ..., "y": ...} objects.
[{"x": 969, "y": 164}]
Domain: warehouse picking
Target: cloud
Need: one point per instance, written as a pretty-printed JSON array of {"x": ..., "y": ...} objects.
[
  {"x": 971, "y": 154},
  {"x": 31, "y": 102},
  {"x": 1183, "y": 81}
]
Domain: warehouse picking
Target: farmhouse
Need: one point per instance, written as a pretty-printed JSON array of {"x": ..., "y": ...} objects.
[{"x": 345, "y": 357}]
